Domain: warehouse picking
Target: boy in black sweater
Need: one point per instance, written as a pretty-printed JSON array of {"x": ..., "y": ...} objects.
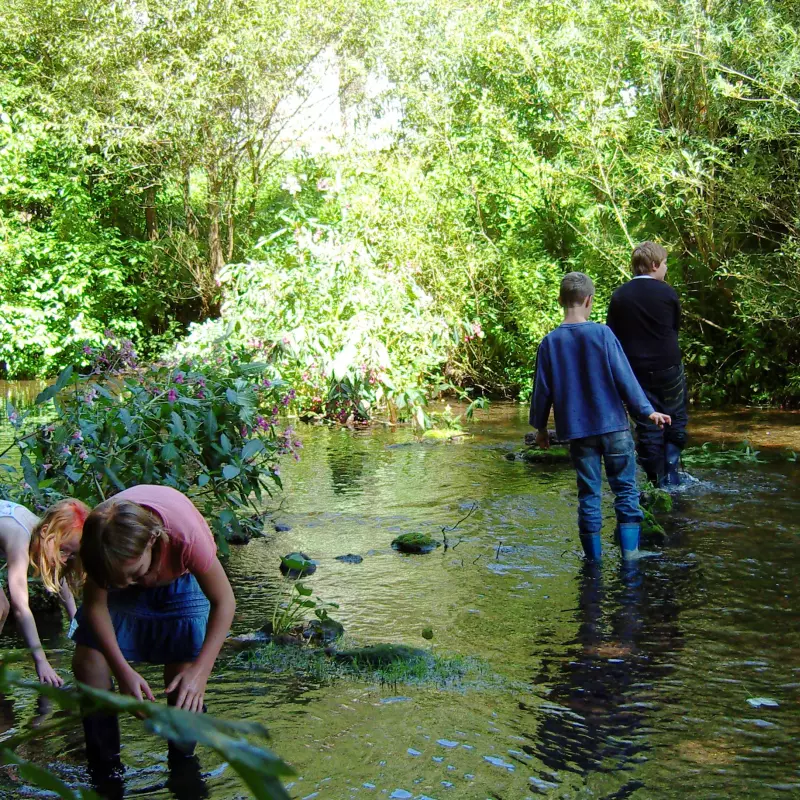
[{"x": 645, "y": 315}]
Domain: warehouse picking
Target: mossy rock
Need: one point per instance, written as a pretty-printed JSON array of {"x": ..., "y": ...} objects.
[
  {"x": 415, "y": 543},
  {"x": 443, "y": 434},
  {"x": 656, "y": 500},
  {"x": 650, "y": 525},
  {"x": 379, "y": 655},
  {"x": 555, "y": 455},
  {"x": 295, "y": 565}
]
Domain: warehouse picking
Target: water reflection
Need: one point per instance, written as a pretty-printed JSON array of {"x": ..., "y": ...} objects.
[{"x": 596, "y": 714}]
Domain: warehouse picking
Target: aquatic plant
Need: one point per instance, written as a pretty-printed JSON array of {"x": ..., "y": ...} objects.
[
  {"x": 208, "y": 429},
  {"x": 712, "y": 455},
  {"x": 258, "y": 767},
  {"x": 291, "y": 611}
]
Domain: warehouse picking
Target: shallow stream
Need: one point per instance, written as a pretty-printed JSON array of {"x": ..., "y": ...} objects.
[{"x": 637, "y": 683}]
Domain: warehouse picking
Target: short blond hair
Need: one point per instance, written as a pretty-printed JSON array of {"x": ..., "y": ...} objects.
[
  {"x": 116, "y": 532},
  {"x": 59, "y": 522},
  {"x": 647, "y": 257}
]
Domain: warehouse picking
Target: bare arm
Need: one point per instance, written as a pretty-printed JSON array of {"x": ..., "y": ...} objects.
[
  {"x": 67, "y": 600},
  {"x": 17, "y": 557},
  {"x": 95, "y": 609},
  {"x": 191, "y": 681}
]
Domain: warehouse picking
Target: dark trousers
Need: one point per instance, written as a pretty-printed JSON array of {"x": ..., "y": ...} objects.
[{"x": 666, "y": 390}]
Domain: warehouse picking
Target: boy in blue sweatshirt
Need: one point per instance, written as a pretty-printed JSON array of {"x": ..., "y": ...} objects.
[{"x": 583, "y": 374}]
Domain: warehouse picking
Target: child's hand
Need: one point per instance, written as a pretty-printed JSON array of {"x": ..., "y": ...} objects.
[
  {"x": 134, "y": 684},
  {"x": 48, "y": 675},
  {"x": 660, "y": 419},
  {"x": 190, "y": 684},
  {"x": 543, "y": 439}
]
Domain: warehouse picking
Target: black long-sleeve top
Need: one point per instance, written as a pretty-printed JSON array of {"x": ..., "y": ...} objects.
[{"x": 645, "y": 315}]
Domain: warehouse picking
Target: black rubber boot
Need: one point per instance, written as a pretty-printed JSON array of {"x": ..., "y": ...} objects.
[
  {"x": 101, "y": 731},
  {"x": 672, "y": 461},
  {"x": 178, "y": 750}
]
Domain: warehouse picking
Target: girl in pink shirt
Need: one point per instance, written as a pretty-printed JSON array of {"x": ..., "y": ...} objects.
[{"x": 155, "y": 592}]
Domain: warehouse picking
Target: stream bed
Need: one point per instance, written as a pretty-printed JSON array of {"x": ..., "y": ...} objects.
[{"x": 679, "y": 677}]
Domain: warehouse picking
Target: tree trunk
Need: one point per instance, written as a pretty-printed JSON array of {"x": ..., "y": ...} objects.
[
  {"x": 188, "y": 211},
  {"x": 150, "y": 216},
  {"x": 216, "y": 257}
]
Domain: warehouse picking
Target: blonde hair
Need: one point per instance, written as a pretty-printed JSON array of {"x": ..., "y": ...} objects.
[
  {"x": 58, "y": 523},
  {"x": 116, "y": 532},
  {"x": 647, "y": 257}
]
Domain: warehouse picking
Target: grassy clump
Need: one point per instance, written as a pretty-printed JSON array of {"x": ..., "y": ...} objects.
[{"x": 381, "y": 664}]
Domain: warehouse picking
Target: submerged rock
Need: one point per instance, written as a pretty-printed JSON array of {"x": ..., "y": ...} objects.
[
  {"x": 415, "y": 543},
  {"x": 281, "y": 527},
  {"x": 350, "y": 558},
  {"x": 379, "y": 655},
  {"x": 530, "y": 438},
  {"x": 295, "y": 565},
  {"x": 239, "y": 537}
]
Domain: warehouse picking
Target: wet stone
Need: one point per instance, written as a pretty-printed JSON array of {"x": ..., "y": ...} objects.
[
  {"x": 418, "y": 543},
  {"x": 350, "y": 558},
  {"x": 281, "y": 527},
  {"x": 294, "y": 565}
]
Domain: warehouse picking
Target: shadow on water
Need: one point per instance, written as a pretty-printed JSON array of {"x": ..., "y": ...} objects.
[{"x": 595, "y": 717}]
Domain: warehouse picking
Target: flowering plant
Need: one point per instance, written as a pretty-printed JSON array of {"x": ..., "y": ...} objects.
[{"x": 209, "y": 430}]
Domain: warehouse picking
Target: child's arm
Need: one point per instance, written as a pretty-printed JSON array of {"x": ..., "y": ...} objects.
[
  {"x": 17, "y": 557},
  {"x": 542, "y": 399},
  {"x": 190, "y": 682},
  {"x": 95, "y": 609},
  {"x": 67, "y": 600}
]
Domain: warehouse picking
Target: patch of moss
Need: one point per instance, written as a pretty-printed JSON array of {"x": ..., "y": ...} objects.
[
  {"x": 656, "y": 500},
  {"x": 535, "y": 455},
  {"x": 443, "y": 434},
  {"x": 382, "y": 664},
  {"x": 415, "y": 543}
]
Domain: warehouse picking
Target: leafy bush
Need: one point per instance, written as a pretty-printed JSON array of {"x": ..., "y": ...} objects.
[
  {"x": 352, "y": 336},
  {"x": 208, "y": 430}
]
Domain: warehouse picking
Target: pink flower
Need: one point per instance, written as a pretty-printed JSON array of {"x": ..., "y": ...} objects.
[
  {"x": 78, "y": 436},
  {"x": 243, "y": 430},
  {"x": 267, "y": 383},
  {"x": 172, "y": 396},
  {"x": 178, "y": 377},
  {"x": 87, "y": 350},
  {"x": 276, "y": 470},
  {"x": 200, "y": 394}
]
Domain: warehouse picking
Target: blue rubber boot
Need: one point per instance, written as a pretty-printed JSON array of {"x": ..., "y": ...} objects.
[
  {"x": 629, "y": 539},
  {"x": 672, "y": 460},
  {"x": 592, "y": 546}
]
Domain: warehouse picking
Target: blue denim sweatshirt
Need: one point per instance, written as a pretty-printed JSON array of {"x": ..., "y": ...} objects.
[{"x": 583, "y": 374}]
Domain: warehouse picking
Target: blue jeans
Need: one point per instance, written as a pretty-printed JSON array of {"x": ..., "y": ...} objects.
[{"x": 617, "y": 452}]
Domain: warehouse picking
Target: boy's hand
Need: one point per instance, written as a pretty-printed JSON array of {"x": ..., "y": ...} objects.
[
  {"x": 543, "y": 439},
  {"x": 660, "y": 419},
  {"x": 190, "y": 683}
]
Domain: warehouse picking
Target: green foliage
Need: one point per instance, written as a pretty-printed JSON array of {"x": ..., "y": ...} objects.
[
  {"x": 292, "y": 610},
  {"x": 488, "y": 148},
  {"x": 259, "y": 768},
  {"x": 208, "y": 430},
  {"x": 353, "y": 337},
  {"x": 711, "y": 455}
]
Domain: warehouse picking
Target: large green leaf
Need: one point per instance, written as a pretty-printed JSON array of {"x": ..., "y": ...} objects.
[
  {"x": 51, "y": 391},
  {"x": 251, "y": 448},
  {"x": 44, "y": 779}
]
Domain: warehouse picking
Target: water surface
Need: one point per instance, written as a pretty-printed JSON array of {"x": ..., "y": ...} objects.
[{"x": 614, "y": 683}]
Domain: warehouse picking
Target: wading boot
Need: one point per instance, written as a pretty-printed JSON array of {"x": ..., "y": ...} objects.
[
  {"x": 629, "y": 539},
  {"x": 672, "y": 460},
  {"x": 176, "y": 749},
  {"x": 101, "y": 730},
  {"x": 592, "y": 546}
]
